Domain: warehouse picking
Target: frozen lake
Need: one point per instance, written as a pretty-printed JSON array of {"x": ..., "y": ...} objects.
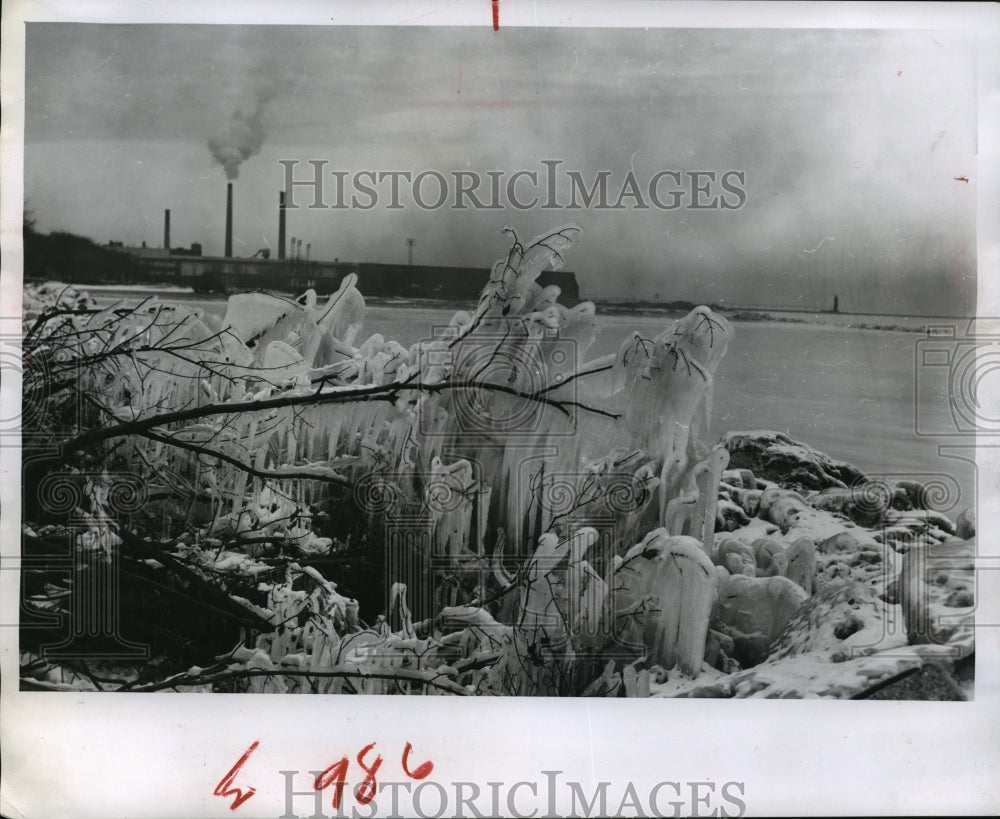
[{"x": 848, "y": 392}]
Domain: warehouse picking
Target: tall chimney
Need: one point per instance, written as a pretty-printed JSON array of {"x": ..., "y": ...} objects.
[
  {"x": 281, "y": 225},
  {"x": 229, "y": 220},
  {"x": 166, "y": 229}
]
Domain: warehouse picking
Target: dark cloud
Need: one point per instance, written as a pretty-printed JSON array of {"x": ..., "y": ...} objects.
[{"x": 853, "y": 135}]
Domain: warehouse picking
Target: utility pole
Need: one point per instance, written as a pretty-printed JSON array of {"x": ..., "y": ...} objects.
[{"x": 409, "y": 247}]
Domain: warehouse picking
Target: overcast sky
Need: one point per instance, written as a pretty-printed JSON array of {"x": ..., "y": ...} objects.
[{"x": 850, "y": 142}]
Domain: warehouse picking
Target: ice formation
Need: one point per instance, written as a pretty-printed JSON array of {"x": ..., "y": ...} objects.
[{"x": 618, "y": 549}]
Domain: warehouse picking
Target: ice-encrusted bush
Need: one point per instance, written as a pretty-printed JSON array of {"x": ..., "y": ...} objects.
[{"x": 581, "y": 490}]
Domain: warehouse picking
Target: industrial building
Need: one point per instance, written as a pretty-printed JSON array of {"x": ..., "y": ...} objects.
[{"x": 295, "y": 271}]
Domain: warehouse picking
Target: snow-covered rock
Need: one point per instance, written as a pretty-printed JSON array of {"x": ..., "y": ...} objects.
[{"x": 777, "y": 457}]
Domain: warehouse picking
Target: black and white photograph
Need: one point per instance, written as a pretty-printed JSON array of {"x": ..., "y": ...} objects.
[{"x": 502, "y": 360}]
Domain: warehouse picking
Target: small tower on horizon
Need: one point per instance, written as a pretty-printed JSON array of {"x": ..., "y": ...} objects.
[{"x": 836, "y": 304}]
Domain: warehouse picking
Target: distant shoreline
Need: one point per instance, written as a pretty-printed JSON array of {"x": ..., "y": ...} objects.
[
  {"x": 852, "y": 321},
  {"x": 606, "y": 308}
]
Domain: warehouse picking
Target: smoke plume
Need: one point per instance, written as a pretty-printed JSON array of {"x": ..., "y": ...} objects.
[{"x": 243, "y": 138}]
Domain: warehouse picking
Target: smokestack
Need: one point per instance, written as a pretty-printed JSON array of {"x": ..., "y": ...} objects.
[
  {"x": 166, "y": 229},
  {"x": 308, "y": 246},
  {"x": 229, "y": 220},
  {"x": 281, "y": 225}
]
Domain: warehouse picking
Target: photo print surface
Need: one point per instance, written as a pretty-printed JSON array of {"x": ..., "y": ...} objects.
[{"x": 561, "y": 362}]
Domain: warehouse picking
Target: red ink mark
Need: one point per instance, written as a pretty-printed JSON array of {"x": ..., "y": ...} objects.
[
  {"x": 899, "y": 73},
  {"x": 367, "y": 790},
  {"x": 961, "y": 178},
  {"x": 935, "y": 42},
  {"x": 422, "y": 771},
  {"x": 336, "y": 773},
  {"x": 496, "y": 14},
  {"x": 223, "y": 789}
]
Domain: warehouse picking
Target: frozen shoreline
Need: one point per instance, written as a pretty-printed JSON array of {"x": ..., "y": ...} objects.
[
  {"x": 754, "y": 566},
  {"x": 889, "y": 323},
  {"x": 168, "y": 289},
  {"x": 854, "y": 321}
]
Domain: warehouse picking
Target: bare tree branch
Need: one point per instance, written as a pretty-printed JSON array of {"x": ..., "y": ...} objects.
[
  {"x": 266, "y": 474},
  {"x": 375, "y": 392}
]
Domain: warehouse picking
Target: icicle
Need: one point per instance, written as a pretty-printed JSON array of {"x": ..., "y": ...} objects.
[
  {"x": 708, "y": 485},
  {"x": 667, "y": 585},
  {"x": 248, "y": 315},
  {"x": 449, "y": 498},
  {"x": 343, "y": 314}
]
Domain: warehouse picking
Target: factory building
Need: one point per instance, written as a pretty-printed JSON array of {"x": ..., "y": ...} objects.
[{"x": 295, "y": 271}]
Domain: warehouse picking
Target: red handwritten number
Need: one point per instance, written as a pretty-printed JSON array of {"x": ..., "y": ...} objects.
[
  {"x": 422, "y": 772},
  {"x": 367, "y": 790},
  {"x": 336, "y": 773},
  {"x": 224, "y": 789}
]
